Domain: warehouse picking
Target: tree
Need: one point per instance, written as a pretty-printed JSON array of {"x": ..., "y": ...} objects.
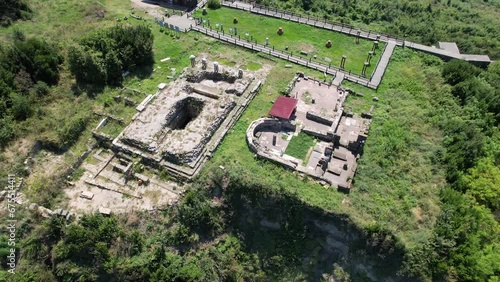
[
  {"x": 41, "y": 89},
  {"x": 21, "y": 106},
  {"x": 87, "y": 65},
  {"x": 101, "y": 57},
  {"x": 37, "y": 57},
  {"x": 6, "y": 131},
  {"x": 11, "y": 10},
  {"x": 465, "y": 240},
  {"x": 456, "y": 71},
  {"x": 307, "y": 4},
  {"x": 196, "y": 213},
  {"x": 483, "y": 183},
  {"x": 113, "y": 68},
  {"x": 213, "y": 4},
  {"x": 492, "y": 75},
  {"x": 474, "y": 88},
  {"x": 464, "y": 144}
]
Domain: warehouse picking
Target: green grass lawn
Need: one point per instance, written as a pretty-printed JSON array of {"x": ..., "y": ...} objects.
[
  {"x": 299, "y": 146},
  {"x": 112, "y": 128},
  {"x": 66, "y": 19},
  {"x": 397, "y": 183},
  {"x": 298, "y": 37}
]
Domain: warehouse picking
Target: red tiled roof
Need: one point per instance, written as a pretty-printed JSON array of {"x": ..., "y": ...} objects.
[{"x": 283, "y": 107}]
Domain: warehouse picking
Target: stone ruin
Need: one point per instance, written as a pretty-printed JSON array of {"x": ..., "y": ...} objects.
[
  {"x": 184, "y": 122},
  {"x": 340, "y": 135}
]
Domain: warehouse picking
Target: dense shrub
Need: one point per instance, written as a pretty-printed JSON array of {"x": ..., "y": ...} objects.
[
  {"x": 102, "y": 57},
  {"x": 213, "y": 4},
  {"x": 87, "y": 65},
  {"x": 41, "y": 89},
  {"x": 18, "y": 35},
  {"x": 6, "y": 131},
  {"x": 27, "y": 68},
  {"x": 11, "y": 10},
  {"x": 464, "y": 245},
  {"x": 457, "y": 71},
  {"x": 21, "y": 106},
  {"x": 39, "y": 58}
]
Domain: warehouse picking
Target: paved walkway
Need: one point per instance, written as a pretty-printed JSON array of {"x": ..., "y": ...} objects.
[
  {"x": 184, "y": 22},
  {"x": 447, "y": 54},
  {"x": 382, "y": 63},
  {"x": 282, "y": 55},
  {"x": 238, "y": 5},
  {"x": 338, "y": 79}
]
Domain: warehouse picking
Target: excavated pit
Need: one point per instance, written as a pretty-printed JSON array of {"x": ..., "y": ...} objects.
[
  {"x": 180, "y": 126},
  {"x": 185, "y": 111}
]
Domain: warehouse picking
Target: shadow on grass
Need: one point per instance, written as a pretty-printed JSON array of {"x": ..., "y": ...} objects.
[
  {"x": 91, "y": 90},
  {"x": 143, "y": 72},
  {"x": 291, "y": 237}
]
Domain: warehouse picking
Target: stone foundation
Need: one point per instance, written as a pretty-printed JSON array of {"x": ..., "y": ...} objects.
[{"x": 182, "y": 124}]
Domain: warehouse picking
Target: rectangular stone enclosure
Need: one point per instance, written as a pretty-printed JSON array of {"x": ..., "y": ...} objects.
[{"x": 185, "y": 121}]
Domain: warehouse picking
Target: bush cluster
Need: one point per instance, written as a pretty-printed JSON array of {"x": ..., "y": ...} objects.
[
  {"x": 27, "y": 68},
  {"x": 102, "y": 57},
  {"x": 213, "y": 4}
]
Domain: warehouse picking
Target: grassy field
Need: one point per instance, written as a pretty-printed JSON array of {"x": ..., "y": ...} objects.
[
  {"x": 67, "y": 101},
  {"x": 298, "y": 37},
  {"x": 468, "y": 23},
  {"x": 397, "y": 183},
  {"x": 66, "y": 19},
  {"x": 299, "y": 146}
]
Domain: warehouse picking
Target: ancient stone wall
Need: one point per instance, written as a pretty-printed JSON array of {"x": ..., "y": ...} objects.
[
  {"x": 197, "y": 77},
  {"x": 322, "y": 135},
  {"x": 192, "y": 155},
  {"x": 318, "y": 118}
]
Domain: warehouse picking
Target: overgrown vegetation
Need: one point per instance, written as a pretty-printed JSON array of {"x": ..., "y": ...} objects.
[
  {"x": 405, "y": 170},
  {"x": 466, "y": 241},
  {"x": 11, "y": 10},
  {"x": 213, "y": 4},
  {"x": 214, "y": 234},
  {"x": 27, "y": 67},
  {"x": 426, "y": 190},
  {"x": 102, "y": 58}
]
